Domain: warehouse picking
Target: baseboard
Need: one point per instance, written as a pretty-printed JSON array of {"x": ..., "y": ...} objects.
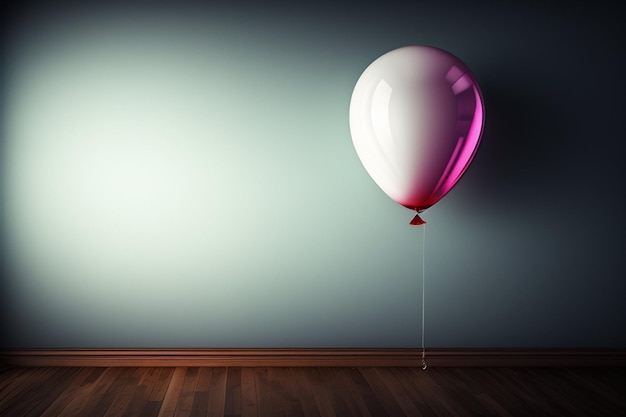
[{"x": 314, "y": 357}]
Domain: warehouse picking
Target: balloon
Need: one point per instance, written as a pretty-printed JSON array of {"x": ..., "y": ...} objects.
[{"x": 416, "y": 118}]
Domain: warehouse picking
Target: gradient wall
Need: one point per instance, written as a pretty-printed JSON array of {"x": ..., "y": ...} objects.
[{"x": 184, "y": 177}]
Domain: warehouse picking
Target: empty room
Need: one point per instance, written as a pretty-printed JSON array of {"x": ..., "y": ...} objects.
[{"x": 312, "y": 209}]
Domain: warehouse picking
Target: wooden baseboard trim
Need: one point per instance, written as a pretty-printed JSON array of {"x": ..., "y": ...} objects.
[{"x": 314, "y": 357}]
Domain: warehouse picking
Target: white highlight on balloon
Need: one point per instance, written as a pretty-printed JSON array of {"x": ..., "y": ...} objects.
[{"x": 380, "y": 116}]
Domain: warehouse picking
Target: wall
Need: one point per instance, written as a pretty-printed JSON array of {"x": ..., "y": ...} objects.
[{"x": 185, "y": 177}]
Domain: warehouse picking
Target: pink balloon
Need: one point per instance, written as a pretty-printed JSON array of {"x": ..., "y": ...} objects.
[{"x": 416, "y": 119}]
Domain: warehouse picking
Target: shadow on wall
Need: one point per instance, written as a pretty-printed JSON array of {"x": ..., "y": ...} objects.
[{"x": 523, "y": 141}]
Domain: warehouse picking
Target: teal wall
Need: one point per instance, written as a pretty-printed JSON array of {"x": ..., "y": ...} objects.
[{"x": 185, "y": 177}]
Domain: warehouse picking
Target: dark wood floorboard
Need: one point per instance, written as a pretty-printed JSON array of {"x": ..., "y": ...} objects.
[{"x": 311, "y": 392}]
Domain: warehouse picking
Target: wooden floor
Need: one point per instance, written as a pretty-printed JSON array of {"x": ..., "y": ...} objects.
[{"x": 339, "y": 392}]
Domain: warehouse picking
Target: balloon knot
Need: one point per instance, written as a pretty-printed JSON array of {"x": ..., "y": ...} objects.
[{"x": 417, "y": 221}]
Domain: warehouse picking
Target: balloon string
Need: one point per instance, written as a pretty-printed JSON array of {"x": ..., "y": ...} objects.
[{"x": 423, "y": 296}]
